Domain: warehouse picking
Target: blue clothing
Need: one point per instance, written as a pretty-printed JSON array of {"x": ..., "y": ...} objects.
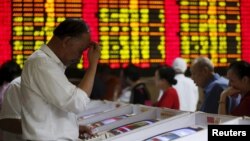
[{"x": 212, "y": 94}]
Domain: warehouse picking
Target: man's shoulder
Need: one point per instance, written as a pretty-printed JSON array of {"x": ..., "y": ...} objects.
[
  {"x": 222, "y": 81},
  {"x": 219, "y": 81},
  {"x": 37, "y": 58},
  {"x": 15, "y": 84},
  {"x": 37, "y": 54},
  {"x": 16, "y": 81}
]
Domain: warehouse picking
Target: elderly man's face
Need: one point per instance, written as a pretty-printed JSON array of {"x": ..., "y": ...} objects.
[
  {"x": 198, "y": 75},
  {"x": 75, "y": 48}
]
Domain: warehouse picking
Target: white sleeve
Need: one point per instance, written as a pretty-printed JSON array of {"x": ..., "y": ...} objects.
[{"x": 11, "y": 107}]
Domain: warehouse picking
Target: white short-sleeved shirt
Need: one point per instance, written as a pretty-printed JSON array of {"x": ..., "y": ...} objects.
[
  {"x": 3, "y": 88},
  {"x": 187, "y": 92},
  {"x": 49, "y": 101},
  {"x": 11, "y": 107}
]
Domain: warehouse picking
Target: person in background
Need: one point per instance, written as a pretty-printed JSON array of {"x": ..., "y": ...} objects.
[
  {"x": 8, "y": 71},
  {"x": 202, "y": 72},
  {"x": 122, "y": 91},
  {"x": 105, "y": 83},
  {"x": 99, "y": 88},
  {"x": 239, "y": 84},
  {"x": 164, "y": 80},
  {"x": 139, "y": 92},
  {"x": 186, "y": 89},
  {"x": 50, "y": 103},
  {"x": 10, "y": 115}
]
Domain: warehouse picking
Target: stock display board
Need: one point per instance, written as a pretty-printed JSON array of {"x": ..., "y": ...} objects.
[
  {"x": 143, "y": 32},
  {"x": 33, "y": 22},
  {"x": 211, "y": 27}
]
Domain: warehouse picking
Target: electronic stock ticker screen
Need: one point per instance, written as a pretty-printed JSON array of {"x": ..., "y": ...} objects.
[{"x": 143, "y": 32}]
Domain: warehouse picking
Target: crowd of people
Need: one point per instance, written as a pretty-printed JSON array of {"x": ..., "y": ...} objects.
[{"x": 40, "y": 103}]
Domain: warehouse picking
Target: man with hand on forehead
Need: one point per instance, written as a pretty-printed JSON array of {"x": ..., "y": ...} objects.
[{"x": 50, "y": 103}]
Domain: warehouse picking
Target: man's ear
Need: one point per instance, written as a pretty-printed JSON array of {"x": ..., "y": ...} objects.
[
  {"x": 245, "y": 79},
  {"x": 66, "y": 41},
  {"x": 204, "y": 70}
]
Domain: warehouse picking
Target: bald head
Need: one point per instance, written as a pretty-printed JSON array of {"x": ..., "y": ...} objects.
[
  {"x": 203, "y": 62},
  {"x": 202, "y": 71}
]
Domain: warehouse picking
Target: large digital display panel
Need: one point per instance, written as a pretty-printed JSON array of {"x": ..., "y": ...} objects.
[{"x": 143, "y": 32}]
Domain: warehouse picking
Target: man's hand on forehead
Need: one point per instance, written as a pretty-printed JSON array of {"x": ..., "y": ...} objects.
[{"x": 93, "y": 44}]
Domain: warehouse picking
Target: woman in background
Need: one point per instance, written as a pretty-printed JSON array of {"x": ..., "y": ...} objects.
[
  {"x": 239, "y": 84},
  {"x": 139, "y": 93},
  {"x": 164, "y": 79}
]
